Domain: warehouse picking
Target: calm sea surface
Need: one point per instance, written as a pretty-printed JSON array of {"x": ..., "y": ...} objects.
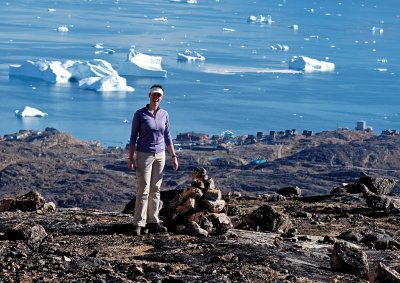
[{"x": 231, "y": 90}]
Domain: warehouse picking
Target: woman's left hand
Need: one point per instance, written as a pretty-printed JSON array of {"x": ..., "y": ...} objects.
[{"x": 175, "y": 163}]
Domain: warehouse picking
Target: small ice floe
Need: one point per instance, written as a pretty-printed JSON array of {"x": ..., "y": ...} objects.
[
  {"x": 294, "y": 27},
  {"x": 303, "y": 63},
  {"x": 109, "y": 83},
  {"x": 376, "y": 30},
  {"x": 190, "y": 55},
  {"x": 280, "y": 47},
  {"x": 94, "y": 68},
  {"x": 49, "y": 71},
  {"x": 62, "y": 29},
  {"x": 50, "y": 10},
  {"x": 383, "y": 60},
  {"x": 381, "y": 69},
  {"x": 260, "y": 19},
  {"x": 99, "y": 45},
  {"x": 162, "y": 19},
  {"x": 142, "y": 65},
  {"x": 30, "y": 112},
  {"x": 228, "y": 29},
  {"x": 105, "y": 51}
]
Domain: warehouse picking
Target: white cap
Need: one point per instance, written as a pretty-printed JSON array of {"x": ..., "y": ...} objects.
[{"x": 157, "y": 90}]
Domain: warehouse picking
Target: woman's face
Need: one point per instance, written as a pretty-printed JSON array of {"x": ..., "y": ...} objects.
[{"x": 155, "y": 98}]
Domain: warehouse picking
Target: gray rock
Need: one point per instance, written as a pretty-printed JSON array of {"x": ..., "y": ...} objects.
[
  {"x": 268, "y": 219},
  {"x": 379, "y": 202},
  {"x": 380, "y": 241},
  {"x": 195, "y": 229},
  {"x": 290, "y": 191},
  {"x": 32, "y": 233},
  {"x": 350, "y": 235},
  {"x": 349, "y": 258},
  {"x": 378, "y": 185},
  {"x": 384, "y": 274}
]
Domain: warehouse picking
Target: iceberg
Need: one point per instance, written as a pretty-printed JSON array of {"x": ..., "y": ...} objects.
[
  {"x": 94, "y": 68},
  {"x": 303, "y": 63},
  {"x": 49, "y": 71},
  {"x": 30, "y": 112},
  {"x": 142, "y": 65},
  {"x": 281, "y": 47},
  {"x": 109, "y": 83},
  {"x": 190, "y": 55},
  {"x": 63, "y": 29},
  {"x": 260, "y": 19}
]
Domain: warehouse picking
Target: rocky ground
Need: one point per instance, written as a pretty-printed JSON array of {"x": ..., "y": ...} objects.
[{"x": 321, "y": 231}]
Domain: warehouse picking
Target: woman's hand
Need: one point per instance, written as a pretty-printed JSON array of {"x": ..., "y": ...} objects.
[
  {"x": 131, "y": 165},
  {"x": 175, "y": 163}
]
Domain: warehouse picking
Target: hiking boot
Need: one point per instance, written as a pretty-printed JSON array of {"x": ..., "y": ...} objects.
[
  {"x": 156, "y": 228},
  {"x": 136, "y": 231}
]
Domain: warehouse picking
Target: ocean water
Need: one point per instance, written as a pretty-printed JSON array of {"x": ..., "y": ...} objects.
[{"x": 243, "y": 86}]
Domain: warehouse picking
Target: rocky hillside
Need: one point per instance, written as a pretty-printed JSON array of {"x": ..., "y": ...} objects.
[
  {"x": 74, "y": 173},
  {"x": 289, "y": 219}
]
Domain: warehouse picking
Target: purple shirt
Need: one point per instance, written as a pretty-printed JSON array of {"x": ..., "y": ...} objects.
[{"x": 150, "y": 133}]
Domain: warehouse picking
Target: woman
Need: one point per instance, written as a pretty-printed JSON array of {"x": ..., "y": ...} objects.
[{"x": 150, "y": 136}]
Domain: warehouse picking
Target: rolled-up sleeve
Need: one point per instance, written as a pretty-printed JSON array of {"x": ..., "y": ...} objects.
[
  {"x": 167, "y": 134},
  {"x": 135, "y": 128}
]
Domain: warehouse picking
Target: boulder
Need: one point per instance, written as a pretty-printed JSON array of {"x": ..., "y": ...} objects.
[
  {"x": 188, "y": 206},
  {"x": 380, "y": 241},
  {"x": 213, "y": 194},
  {"x": 273, "y": 197},
  {"x": 356, "y": 188},
  {"x": 380, "y": 202},
  {"x": 383, "y": 274},
  {"x": 214, "y": 206},
  {"x": 290, "y": 191},
  {"x": 349, "y": 258},
  {"x": 268, "y": 219},
  {"x": 34, "y": 234},
  {"x": 220, "y": 221},
  {"x": 195, "y": 229},
  {"x": 378, "y": 185},
  {"x": 31, "y": 201},
  {"x": 192, "y": 192}
]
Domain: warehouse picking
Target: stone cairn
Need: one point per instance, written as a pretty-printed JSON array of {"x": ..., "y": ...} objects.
[{"x": 198, "y": 209}]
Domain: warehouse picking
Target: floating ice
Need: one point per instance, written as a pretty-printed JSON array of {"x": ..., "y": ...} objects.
[
  {"x": 49, "y": 71},
  {"x": 228, "y": 29},
  {"x": 142, "y": 65},
  {"x": 294, "y": 27},
  {"x": 231, "y": 70},
  {"x": 109, "y": 83},
  {"x": 105, "y": 51},
  {"x": 162, "y": 19},
  {"x": 63, "y": 29},
  {"x": 51, "y": 10},
  {"x": 374, "y": 30},
  {"x": 260, "y": 19},
  {"x": 281, "y": 47},
  {"x": 307, "y": 64},
  {"x": 381, "y": 69},
  {"x": 30, "y": 112},
  {"x": 99, "y": 45},
  {"x": 190, "y": 55},
  {"x": 94, "y": 68}
]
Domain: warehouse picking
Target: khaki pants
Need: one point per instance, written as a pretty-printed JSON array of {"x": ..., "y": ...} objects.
[{"x": 149, "y": 174}]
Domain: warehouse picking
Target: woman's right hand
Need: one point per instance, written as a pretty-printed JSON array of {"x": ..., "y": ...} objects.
[{"x": 131, "y": 165}]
